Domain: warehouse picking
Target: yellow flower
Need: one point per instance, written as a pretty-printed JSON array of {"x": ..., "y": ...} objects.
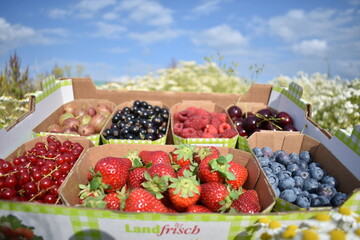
[{"x": 337, "y": 234}]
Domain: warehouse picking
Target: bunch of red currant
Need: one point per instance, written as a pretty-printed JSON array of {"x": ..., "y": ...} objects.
[{"x": 36, "y": 174}]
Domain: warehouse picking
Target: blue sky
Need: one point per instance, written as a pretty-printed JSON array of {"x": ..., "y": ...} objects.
[{"x": 113, "y": 39}]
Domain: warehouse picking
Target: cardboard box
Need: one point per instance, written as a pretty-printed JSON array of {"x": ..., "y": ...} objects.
[
  {"x": 210, "y": 107},
  {"x": 69, "y": 191},
  {"x": 294, "y": 142},
  {"x": 126, "y": 141},
  {"x": 41, "y": 129}
]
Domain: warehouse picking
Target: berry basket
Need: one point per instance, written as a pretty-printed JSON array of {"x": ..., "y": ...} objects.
[{"x": 202, "y": 123}]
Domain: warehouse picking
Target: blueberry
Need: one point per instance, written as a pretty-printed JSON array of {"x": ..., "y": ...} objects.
[
  {"x": 338, "y": 199},
  {"x": 326, "y": 190},
  {"x": 299, "y": 182},
  {"x": 329, "y": 180},
  {"x": 267, "y": 151},
  {"x": 273, "y": 179},
  {"x": 276, "y": 191},
  {"x": 283, "y": 158},
  {"x": 272, "y": 158},
  {"x": 286, "y": 183},
  {"x": 276, "y": 153},
  {"x": 264, "y": 161},
  {"x": 267, "y": 170},
  {"x": 305, "y": 156},
  {"x": 320, "y": 201},
  {"x": 294, "y": 157},
  {"x": 288, "y": 195},
  {"x": 292, "y": 167},
  {"x": 312, "y": 195},
  {"x": 316, "y": 173},
  {"x": 276, "y": 167},
  {"x": 303, "y": 165},
  {"x": 257, "y": 152},
  {"x": 283, "y": 174},
  {"x": 306, "y": 193},
  {"x": 314, "y": 164},
  {"x": 297, "y": 190},
  {"x": 302, "y": 173},
  {"x": 303, "y": 201},
  {"x": 311, "y": 185}
]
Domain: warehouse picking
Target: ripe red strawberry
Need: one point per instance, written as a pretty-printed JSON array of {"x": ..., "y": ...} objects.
[
  {"x": 207, "y": 152},
  {"x": 184, "y": 191},
  {"x": 229, "y": 133},
  {"x": 154, "y": 157},
  {"x": 192, "y": 168},
  {"x": 189, "y": 133},
  {"x": 216, "y": 170},
  {"x": 196, "y": 122},
  {"x": 183, "y": 154},
  {"x": 223, "y": 127},
  {"x": 136, "y": 177},
  {"x": 157, "y": 179},
  {"x": 198, "y": 209},
  {"x": 141, "y": 200},
  {"x": 112, "y": 201},
  {"x": 111, "y": 172},
  {"x": 241, "y": 174},
  {"x": 85, "y": 191},
  {"x": 215, "y": 196},
  {"x": 248, "y": 202}
]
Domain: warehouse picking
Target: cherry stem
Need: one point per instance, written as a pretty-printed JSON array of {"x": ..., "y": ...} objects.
[{"x": 270, "y": 119}]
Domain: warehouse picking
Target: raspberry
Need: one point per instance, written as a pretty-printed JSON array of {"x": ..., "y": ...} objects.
[
  {"x": 182, "y": 115},
  {"x": 203, "y": 113},
  {"x": 196, "y": 122},
  {"x": 188, "y": 133},
  {"x": 178, "y": 128},
  {"x": 215, "y": 122},
  {"x": 229, "y": 133},
  {"x": 209, "y": 135},
  {"x": 223, "y": 127},
  {"x": 222, "y": 117},
  {"x": 210, "y": 129}
]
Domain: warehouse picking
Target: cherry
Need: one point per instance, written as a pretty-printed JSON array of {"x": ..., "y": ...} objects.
[
  {"x": 285, "y": 118},
  {"x": 241, "y": 131},
  {"x": 265, "y": 112},
  {"x": 289, "y": 127},
  {"x": 234, "y": 112},
  {"x": 251, "y": 123}
]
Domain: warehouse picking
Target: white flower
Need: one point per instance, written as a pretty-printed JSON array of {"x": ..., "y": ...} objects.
[
  {"x": 345, "y": 218},
  {"x": 322, "y": 222}
]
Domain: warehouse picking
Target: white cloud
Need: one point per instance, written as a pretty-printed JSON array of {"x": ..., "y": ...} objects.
[
  {"x": 220, "y": 37},
  {"x": 108, "y": 30},
  {"x": 111, "y": 16},
  {"x": 14, "y": 32},
  {"x": 117, "y": 50},
  {"x": 156, "y": 35},
  {"x": 314, "y": 47},
  {"x": 57, "y": 13},
  {"x": 207, "y": 7},
  {"x": 146, "y": 12},
  {"x": 88, "y": 8}
]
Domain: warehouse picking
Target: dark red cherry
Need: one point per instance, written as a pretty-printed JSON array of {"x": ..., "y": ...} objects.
[
  {"x": 234, "y": 112},
  {"x": 284, "y": 118}
]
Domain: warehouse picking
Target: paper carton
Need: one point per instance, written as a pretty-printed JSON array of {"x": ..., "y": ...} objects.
[
  {"x": 69, "y": 191},
  {"x": 129, "y": 104},
  {"x": 41, "y": 129},
  {"x": 294, "y": 142},
  {"x": 210, "y": 107}
]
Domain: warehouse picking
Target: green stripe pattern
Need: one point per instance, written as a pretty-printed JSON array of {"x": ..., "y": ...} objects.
[
  {"x": 352, "y": 140},
  {"x": 220, "y": 142},
  {"x": 294, "y": 93},
  {"x": 50, "y": 85}
]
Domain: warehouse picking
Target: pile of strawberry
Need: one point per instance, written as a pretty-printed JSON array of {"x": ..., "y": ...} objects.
[
  {"x": 188, "y": 179},
  {"x": 196, "y": 122}
]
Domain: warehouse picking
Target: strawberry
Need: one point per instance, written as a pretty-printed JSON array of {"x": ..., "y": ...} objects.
[
  {"x": 111, "y": 173},
  {"x": 198, "y": 209},
  {"x": 196, "y": 122},
  {"x": 189, "y": 133},
  {"x": 183, "y": 154},
  {"x": 148, "y": 156},
  {"x": 223, "y": 127},
  {"x": 229, "y": 133},
  {"x": 184, "y": 191},
  {"x": 85, "y": 191},
  {"x": 216, "y": 170},
  {"x": 141, "y": 200},
  {"x": 247, "y": 202},
  {"x": 215, "y": 196},
  {"x": 24, "y": 233},
  {"x": 112, "y": 201},
  {"x": 157, "y": 179},
  {"x": 191, "y": 168},
  {"x": 136, "y": 177},
  {"x": 241, "y": 175},
  {"x": 208, "y": 152}
]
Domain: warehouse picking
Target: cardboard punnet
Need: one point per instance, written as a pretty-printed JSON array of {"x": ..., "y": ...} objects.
[
  {"x": 69, "y": 190},
  {"x": 41, "y": 129},
  {"x": 210, "y": 107},
  {"x": 127, "y": 141},
  {"x": 294, "y": 142}
]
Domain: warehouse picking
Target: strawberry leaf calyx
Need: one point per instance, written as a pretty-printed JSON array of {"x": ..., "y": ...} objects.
[
  {"x": 221, "y": 165},
  {"x": 156, "y": 185}
]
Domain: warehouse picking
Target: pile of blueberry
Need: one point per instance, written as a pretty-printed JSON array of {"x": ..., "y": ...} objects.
[
  {"x": 297, "y": 179},
  {"x": 141, "y": 121}
]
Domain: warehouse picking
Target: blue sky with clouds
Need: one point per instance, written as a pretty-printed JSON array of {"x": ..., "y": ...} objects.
[{"x": 113, "y": 39}]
